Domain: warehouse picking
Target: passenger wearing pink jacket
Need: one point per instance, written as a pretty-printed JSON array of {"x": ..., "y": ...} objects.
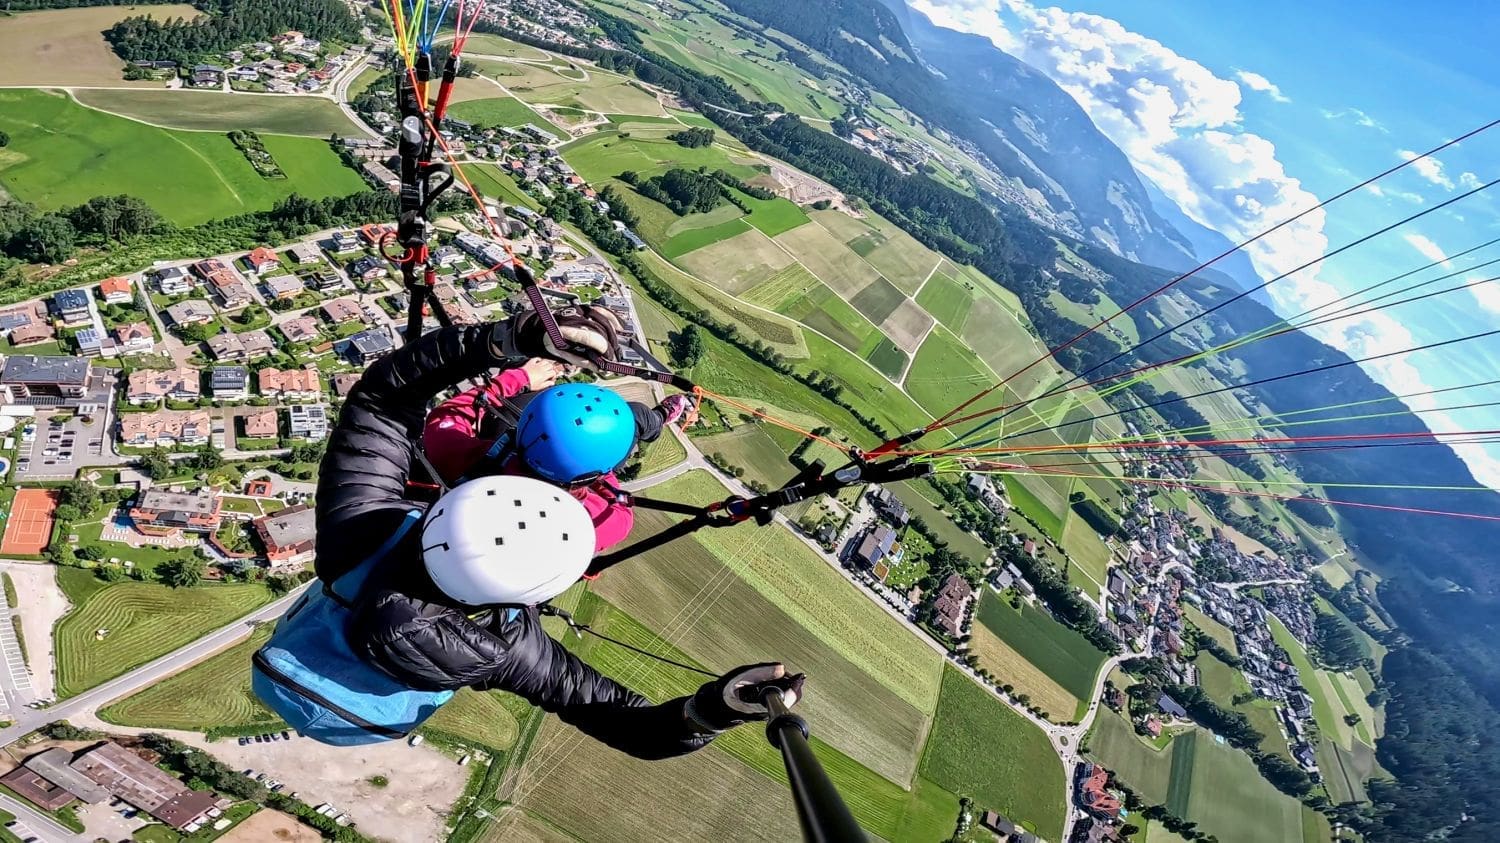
[{"x": 460, "y": 433}]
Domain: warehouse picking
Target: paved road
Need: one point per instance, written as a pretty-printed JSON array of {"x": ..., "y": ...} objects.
[
  {"x": 32, "y": 823},
  {"x": 15, "y": 679},
  {"x": 27, "y": 720}
]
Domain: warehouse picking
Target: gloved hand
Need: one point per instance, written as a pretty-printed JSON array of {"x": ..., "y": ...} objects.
[
  {"x": 735, "y": 697},
  {"x": 679, "y": 407},
  {"x": 541, "y": 373},
  {"x": 587, "y": 329}
]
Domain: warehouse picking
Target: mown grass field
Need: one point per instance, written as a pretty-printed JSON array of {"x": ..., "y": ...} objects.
[
  {"x": 749, "y": 447},
  {"x": 947, "y": 300},
  {"x": 895, "y": 254},
  {"x": 1088, "y": 553},
  {"x": 981, "y": 749},
  {"x": 1328, "y": 707},
  {"x": 1215, "y": 630},
  {"x": 915, "y": 495},
  {"x": 67, "y": 46},
  {"x": 1223, "y": 683},
  {"x": 1037, "y": 498},
  {"x": 890, "y": 360},
  {"x": 826, "y": 313},
  {"x": 662, "y": 454},
  {"x": 834, "y": 264},
  {"x": 782, "y": 334},
  {"x": 63, "y": 154},
  {"x": 771, "y": 597},
  {"x": 1059, "y": 652},
  {"x": 1204, "y": 771},
  {"x": 1012, "y": 668},
  {"x": 481, "y": 717},
  {"x": 606, "y": 154},
  {"x": 502, "y": 111},
  {"x": 144, "y": 621},
  {"x": 213, "y": 692},
  {"x": 212, "y": 111},
  {"x": 945, "y": 373},
  {"x": 1112, "y": 742},
  {"x": 493, "y": 184}
]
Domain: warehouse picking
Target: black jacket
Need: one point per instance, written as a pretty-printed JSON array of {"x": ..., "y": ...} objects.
[{"x": 406, "y": 627}]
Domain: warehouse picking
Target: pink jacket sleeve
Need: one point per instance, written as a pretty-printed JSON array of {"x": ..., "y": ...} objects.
[{"x": 450, "y": 436}]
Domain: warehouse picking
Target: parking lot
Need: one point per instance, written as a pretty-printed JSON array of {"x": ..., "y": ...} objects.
[{"x": 63, "y": 443}]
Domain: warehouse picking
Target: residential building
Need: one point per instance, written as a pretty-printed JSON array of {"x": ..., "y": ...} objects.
[
  {"x": 874, "y": 547},
  {"x": 1094, "y": 795},
  {"x": 30, "y": 377},
  {"x": 227, "y": 285},
  {"x": 1171, "y": 707},
  {"x": 260, "y": 424},
  {"x": 135, "y": 338},
  {"x": 365, "y": 269},
  {"x": 307, "y": 421},
  {"x": 343, "y": 382},
  {"x": 322, "y": 279},
  {"x": 190, "y": 312},
  {"x": 343, "y": 241},
  {"x": 343, "y": 311},
  {"x": 288, "y": 535},
  {"x": 889, "y": 506},
  {"x": 379, "y": 175},
  {"x": 262, "y": 260},
  {"x": 175, "y": 280},
  {"x": 135, "y": 780},
  {"x": 92, "y": 343},
  {"x": 302, "y": 329},
  {"x": 32, "y": 334},
  {"x": 368, "y": 346},
  {"x": 952, "y": 605},
  {"x": 147, "y": 386},
  {"x": 159, "y": 510},
  {"x": 226, "y": 345},
  {"x": 165, "y": 427},
  {"x": 289, "y": 384},
  {"x": 229, "y": 383},
  {"x": 21, "y": 316},
  {"x": 257, "y": 343},
  {"x": 305, "y": 253},
  {"x": 47, "y": 779},
  {"x": 283, "y": 287},
  {"x": 71, "y": 307},
  {"x": 116, "y": 290},
  {"x": 232, "y": 296},
  {"x": 372, "y": 234}
]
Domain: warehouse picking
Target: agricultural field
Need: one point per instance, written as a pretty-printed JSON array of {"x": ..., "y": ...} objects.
[
  {"x": 661, "y": 455},
  {"x": 494, "y": 184},
  {"x": 1113, "y": 742},
  {"x": 486, "y": 44},
  {"x": 63, "y": 154},
  {"x": 947, "y": 300},
  {"x": 606, "y": 154},
  {"x": 1064, "y": 655},
  {"x": 1204, "y": 770},
  {"x": 749, "y": 447},
  {"x": 1223, "y": 683},
  {"x": 1036, "y": 497},
  {"x": 730, "y": 255},
  {"x": 981, "y": 749},
  {"x": 480, "y": 717},
  {"x": 214, "y": 692},
  {"x": 834, "y": 264},
  {"x": 784, "y": 335},
  {"x": 501, "y": 111},
  {"x": 946, "y": 373},
  {"x": 877, "y": 681},
  {"x": 888, "y": 359},
  {"x": 67, "y": 46},
  {"x": 895, "y": 254},
  {"x": 1012, "y": 668},
  {"x": 1090, "y": 555},
  {"x": 823, "y": 311},
  {"x": 143, "y": 621},
  {"x": 210, "y": 111}
]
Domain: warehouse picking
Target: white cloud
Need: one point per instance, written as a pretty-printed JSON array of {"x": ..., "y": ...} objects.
[
  {"x": 1430, "y": 169},
  {"x": 1359, "y": 117},
  {"x": 1180, "y": 125},
  {"x": 1374, "y": 189},
  {"x": 1487, "y": 294},
  {"x": 1428, "y": 248},
  {"x": 1468, "y": 180},
  {"x": 1256, "y": 82}
]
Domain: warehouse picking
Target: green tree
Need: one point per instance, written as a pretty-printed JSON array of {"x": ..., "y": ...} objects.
[
  {"x": 686, "y": 346},
  {"x": 4, "y": 139},
  {"x": 79, "y": 493},
  {"x": 208, "y": 458},
  {"x": 180, "y": 573},
  {"x": 48, "y": 238},
  {"x": 157, "y": 463}
]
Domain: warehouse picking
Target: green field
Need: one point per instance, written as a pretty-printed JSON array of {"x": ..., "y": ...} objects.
[
  {"x": 1090, "y": 555},
  {"x": 1223, "y": 683},
  {"x": 783, "y": 334},
  {"x": 480, "y": 717},
  {"x": 915, "y": 494},
  {"x": 772, "y": 216},
  {"x": 1013, "y": 669},
  {"x": 1215, "y": 630},
  {"x": 697, "y": 238},
  {"x": 751, "y": 448},
  {"x": 895, "y": 254},
  {"x": 1112, "y": 742},
  {"x": 507, "y": 112},
  {"x": 890, "y": 360},
  {"x": 981, "y": 749},
  {"x": 878, "y": 300},
  {"x": 826, "y": 313},
  {"x": 1060, "y": 652},
  {"x": 782, "y": 289},
  {"x": 212, "y": 111},
  {"x": 947, "y": 300},
  {"x": 143, "y": 622},
  {"x": 63, "y": 154},
  {"x": 213, "y": 692},
  {"x": 946, "y": 373},
  {"x": 877, "y": 683},
  {"x": 606, "y": 154},
  {"x": 493, "y": 184},
  {"x": 661, "y": 455},
  {"x": 844, "y": 271},
  {"x": 1204, "y": 771}
]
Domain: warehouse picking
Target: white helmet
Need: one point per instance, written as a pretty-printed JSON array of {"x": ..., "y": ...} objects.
[{"x": 506, "y": 540}]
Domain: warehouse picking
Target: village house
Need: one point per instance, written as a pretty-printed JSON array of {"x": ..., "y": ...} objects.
[
  {"x": 289, "y": 535},
  {"x": 307, "y": 421},
  {"x": 343, "y": 382},
  {"x": 952, "y": 605},
  {"x": 116, "y": 290},
  {"x": 226, "y": 346},
  {"x": 1094, "y": 795},
  {"x": 283, "y": 287},
  {"x": 257, "y": 344},
  {"x": 229, "y": 383},
  {"x": 366, "y": 347},
  {"x": 24, "y": 321},
  {"x": 289, "y": 384},
  {"x": 190, "y": 312},
  {"x": 874, "y": 547},
  {"x": 260, "y": 424},
  {"x": 302, "y": 329},
  {"x": 165, "y": 427},
  {"x": 159, "y": 510},
  {"x": 135, "y": 338},
  {"x": 343, "y": 241},
  {"x": 261, "y": 260},
  {"x": 175, "y": 281},
  {"x": 227, "y": 285},
  {"x": 37, "y": 332},
  {"x": 147, "y": 386},
  {"x": 91, "y": 343},
  {"x": 365, "y": 269},
  {"x": 139, "y": 782},
  {"x": 305, "y": 253},
  {"x": 71, "y": 307},
  {"x": 344, "y": 311}
]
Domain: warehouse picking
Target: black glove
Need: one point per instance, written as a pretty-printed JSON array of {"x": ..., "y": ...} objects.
[
  {"x": 735, "y": 697},
  {"x": 587, "y": 329}
]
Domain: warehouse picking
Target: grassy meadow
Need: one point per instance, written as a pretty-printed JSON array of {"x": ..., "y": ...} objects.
[
  {"x": 215, "y": 111},
  {"x": 1064, "y": 655}
]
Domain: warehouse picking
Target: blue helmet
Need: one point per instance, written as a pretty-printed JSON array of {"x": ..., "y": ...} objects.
[{"x": 575, "y": 432}]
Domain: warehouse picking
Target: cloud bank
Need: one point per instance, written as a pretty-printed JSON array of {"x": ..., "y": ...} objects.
[
  {"x": 1256, "y": 82},
  {"x": 1180, "y": 125}
]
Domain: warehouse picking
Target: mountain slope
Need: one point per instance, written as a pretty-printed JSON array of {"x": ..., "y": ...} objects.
[{"x": 1030, "y": 127}]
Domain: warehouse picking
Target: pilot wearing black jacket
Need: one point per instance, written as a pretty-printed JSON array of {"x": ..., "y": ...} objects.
[{"x": 463, "y": 611}]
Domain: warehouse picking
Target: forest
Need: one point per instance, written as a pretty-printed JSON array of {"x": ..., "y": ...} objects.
[{"x": 229, "y": 23}]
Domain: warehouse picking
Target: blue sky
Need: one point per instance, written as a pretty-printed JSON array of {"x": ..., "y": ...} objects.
[{"x": 1244, "y": 113}]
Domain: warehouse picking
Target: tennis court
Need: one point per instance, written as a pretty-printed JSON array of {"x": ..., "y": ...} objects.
[{"x": 29, "y": 528}]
